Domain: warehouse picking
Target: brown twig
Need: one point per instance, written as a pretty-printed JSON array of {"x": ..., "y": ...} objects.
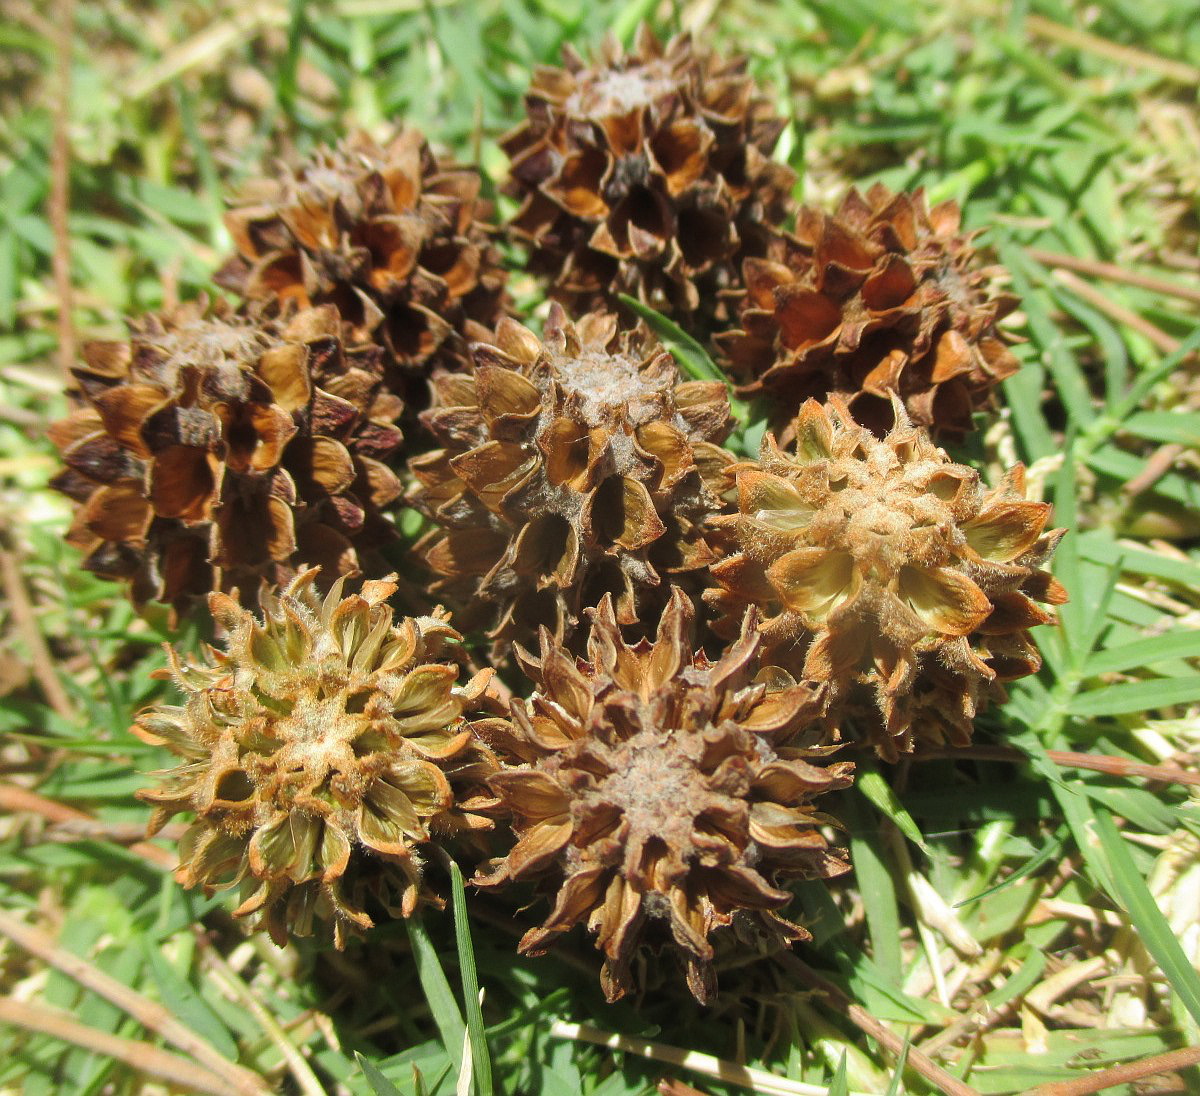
[
  {"x": 1120, "y": 1075},
  {"x": 1168, "y": 344},
  {"x": 1113, "y": 273},
  {"x": 15, "y": 799},
  {"x": 1157, "y": 465},
  {"x": 60, "y": 182},
  {"x": 143, "y": 1057},
  {"x": 151, "y": 1015},
  {"x": 25, "y": 617},
  {"x": 884, "y": 1036},
  {"x": 1100, "y": 763}
]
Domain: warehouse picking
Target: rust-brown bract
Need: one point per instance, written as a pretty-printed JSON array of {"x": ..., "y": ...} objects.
[
  {"x": 883, "y": 563},
  {"x": 661, "y": 796},
  {"x": 883, "y": 296},
  {"x": 571, "y": 467},
  {"x": 217, "y": 449},
  {"x": 394, "y": 238},
  {"x": 646, "y": 173},
  {"x": 319, "y": 751}
]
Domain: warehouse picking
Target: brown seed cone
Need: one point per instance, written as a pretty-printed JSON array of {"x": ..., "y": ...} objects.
[
  {"x": 397, "y": 240},
  {"x": 217, "y": 449},
  {"x": 320, "y": 751},
  {"x": 571, "y": 467},
  {"x": 662, "y": 796},
  {"x": 881, "y": 563},
  {"x": 882, "y": 297},
  {"x": 647, "y": 174}
]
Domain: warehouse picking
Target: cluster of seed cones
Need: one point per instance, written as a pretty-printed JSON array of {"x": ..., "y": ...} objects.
[{"x": 691, "y": 642}]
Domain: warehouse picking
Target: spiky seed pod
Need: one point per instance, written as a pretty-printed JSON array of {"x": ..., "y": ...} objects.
[
  {"x": 662, "y": 796},
  {"x": 394, "y": 238},
  {"x": 217, "y": 449},
  {"x": 646, "y": 173},
  {"x": 570, "y": 467},
  {"x": 882, "y": 563},
  {"x": 885, "y": 296},
  {"x": 319, "y": 751}
]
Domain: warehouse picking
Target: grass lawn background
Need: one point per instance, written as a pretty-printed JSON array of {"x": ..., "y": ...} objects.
[{"x": 1020, "y": 917}]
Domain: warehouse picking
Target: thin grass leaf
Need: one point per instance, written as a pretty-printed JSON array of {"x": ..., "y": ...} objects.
[
  {"x": 1049, "y": 851},
  {"x": 380, "y": 1085},
  {"x": 438, "y": 994},
  {"x": 1165, "y": 426},
  {"x": 691, "y": 357},
  {"x": 894, "y": 1084},
  {"x": 1136, "y": 696},
  {"x": 1134, "y": 896},
  {"x": 186, "y": 1004},
  {"x": 840, "y": 1085},
  {"x": 883, "y": 911},
  {"x": 1144, "y": 652},
  {"x": 480, "y": 1059},
  {"x": 872, "y": 784}
]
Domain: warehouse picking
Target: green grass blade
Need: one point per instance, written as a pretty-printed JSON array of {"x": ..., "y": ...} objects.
[
  {"x": 840, "y": 1085},
  {"x": 1136, "y": 696},
  {"x": 872, "y": 784},
  {"x": 893, "y": 1088},
  {"x": 438, "y": 994},
  {"x": 480, "y": 1060},
  {"x": 1144, "y": 652},
  {"x": 870, "y": 867},
  {"x": 693, "y": 359},
  {"x": 1044, "y": 855},
  {"x": 1131, "y": 891},
  {"x": 380, "y": 1085}
]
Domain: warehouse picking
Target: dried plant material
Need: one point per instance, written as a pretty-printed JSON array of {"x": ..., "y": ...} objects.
[
  {"x": 646, "y": 173},
  {"x": 661, "y": 796},
  {"x": 393, "y": 237},
  {"x": 881, "y": 563},
  {"x": 882, "y": 297},
  {"x": 219, "y": 449},
  {"x": 319, "y": 751},
  {"x": 571, "y": 467}
]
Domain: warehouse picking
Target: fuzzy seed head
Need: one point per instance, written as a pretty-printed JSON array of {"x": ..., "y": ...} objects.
[
  {"x": 659, "y": 797},
  {"x": 884, "y": 297},
  {"x": 571, "y": 467},
  {"x": 881, "y": 563},
  {"x": 319, "y": 751},
  {"x": 647, "y": 173}
]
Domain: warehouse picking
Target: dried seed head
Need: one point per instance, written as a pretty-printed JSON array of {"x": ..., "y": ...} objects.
[
  {"x": 394, "y": 238},
  {"x": 320, "y": 750},
  {"x": 881, "y": 562},
  {"x": 646, "y": 173},
  {"x": 571, "y": 467},
  {"x": 217, "y": 449},
  {"x": 662, "y": 797},
  {"x": 883, "y": 297}
]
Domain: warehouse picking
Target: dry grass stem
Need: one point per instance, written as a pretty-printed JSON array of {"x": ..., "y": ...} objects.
[
  {"x": 1123, "y": 1074},
  {"x": 60, "y": 182},
  {"x": 1068, "y": 759},
  {"x": 1178, "y": 71},
  {"x": 299, "y": 1068},
  {"x": 1113, "y": 273},
  {"x": 1168, "y": 344},
  {"x": 145, "y": 1058},
  {"x": 15, "y": 799},
  {"x": 25, "y": 616},
  {"x": 151, "y": 1015},
  {"x": 865, "y": 1022},
  {"x": 756, "y": 1080}
]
